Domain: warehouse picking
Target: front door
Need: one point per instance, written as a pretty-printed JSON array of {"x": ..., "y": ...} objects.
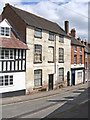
[
  {"x": 68, "y": 78},
  {"x": 51, "y": 82},
  {"x": 73, "y": 78}
]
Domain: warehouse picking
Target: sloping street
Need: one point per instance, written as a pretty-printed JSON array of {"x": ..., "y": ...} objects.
[{"x": 54, "y": 106}]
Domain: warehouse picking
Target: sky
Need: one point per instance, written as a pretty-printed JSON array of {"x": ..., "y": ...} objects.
[{"x": 75, "y": 11}]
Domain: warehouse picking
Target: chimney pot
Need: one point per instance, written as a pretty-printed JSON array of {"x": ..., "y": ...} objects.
[
  {"x": 6, "y": 4},
  {"x": 67, "y": 27}
]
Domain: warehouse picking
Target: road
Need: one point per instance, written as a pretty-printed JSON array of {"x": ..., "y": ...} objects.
[{"x": 48, "y": 106}]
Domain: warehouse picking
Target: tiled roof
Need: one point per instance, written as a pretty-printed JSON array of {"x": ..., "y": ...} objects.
[
  {"x": 12, "y": 42},
  {"x": 39, "y": 22},
  {"x": 76, "y": 42}
]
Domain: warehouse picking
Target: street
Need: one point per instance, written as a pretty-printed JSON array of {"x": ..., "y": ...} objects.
[{"x": 55, "y": 106}]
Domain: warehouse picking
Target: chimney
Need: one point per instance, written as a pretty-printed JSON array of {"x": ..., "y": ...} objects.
[
  {"x": 79, "y": 39},
  {"x": 73, "y": 32},
  {"x": 6, "y": 4},
  {"x": 67, "y": 27},
  {"x": 86, "y": 43},
  {"x": 82, "y": 42}
]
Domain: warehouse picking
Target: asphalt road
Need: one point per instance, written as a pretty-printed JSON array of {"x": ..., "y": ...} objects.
[{"x": 54, "y": 106}]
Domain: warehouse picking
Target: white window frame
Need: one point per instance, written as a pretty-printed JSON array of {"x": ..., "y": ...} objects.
[
  {"x": 3, "y": 33},
  {"x": 3, "y": 80},
  {"x": 75, "y": 48},
  {"x": 79, "y": 75},
  {"x": 4, "y": 54}
]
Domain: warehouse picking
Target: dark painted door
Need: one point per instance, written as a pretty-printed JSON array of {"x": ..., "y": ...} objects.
[
  {"x": 73, "y": 78},
  {"x": 51, "y": 82},
  {"x": 68, "y": 78}
]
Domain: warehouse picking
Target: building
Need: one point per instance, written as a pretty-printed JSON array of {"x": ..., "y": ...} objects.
[
  {"x": 12, "y": 61},
  {"x": 87, "y": 59},
  {"x": 77, "y": 60},
  {"x": 48, "y": 61}
]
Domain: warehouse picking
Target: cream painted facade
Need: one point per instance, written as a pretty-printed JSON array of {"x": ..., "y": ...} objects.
[{"x": 47, "y": 68}]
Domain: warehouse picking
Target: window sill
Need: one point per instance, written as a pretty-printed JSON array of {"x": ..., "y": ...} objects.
[
  {"x": 51, "y": 39},
  {"x": 61, "y": 62},
  {"x": 50, "y": 61},
  {"x": 37, "y": 62},
  {"x": 75, "y": 64},
  {"x": 37, "y": 87},
  {"x": 38, "y": 37}
]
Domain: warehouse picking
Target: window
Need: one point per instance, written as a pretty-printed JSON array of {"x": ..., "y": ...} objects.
[
  {"x": 75, "y": 48},
  {"x": 61, "y": 38},
  {"x": 85, "y": 55},
  {"x": 80, "y": 49},
  {"x": 61, "y": 74},
  {"x": 51, "y": 36},
  {"x": 75, "y": 59},
  {"x": 38, "y": 78},
  {"x": 4, "y": 31},
  {"x": 6, "y": 80},
  {"x": 50, "y": 54},
  {"x": 79, "y": 75},
  {"x": 37, "y": 53},
  {"x": 61, "y": 55},
  {"x": 6, "y": 54},
  {"x": 38, "y": 33},
  {"x": 80, "y": 59},
  {"x": 85, "y": 65}
]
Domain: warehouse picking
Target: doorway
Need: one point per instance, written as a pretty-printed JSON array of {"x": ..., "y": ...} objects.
[
  {"x": 51, "y": 82},
  {"x": 68, "y": 78},
  {"x": 73, "y": 78}
]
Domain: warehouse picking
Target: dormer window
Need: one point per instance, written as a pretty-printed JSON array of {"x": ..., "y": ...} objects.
[{"x": 5, "y": 31}]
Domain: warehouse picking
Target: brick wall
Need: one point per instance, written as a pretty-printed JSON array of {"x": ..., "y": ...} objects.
[
  {"x": 15, "y": 20},
  {"x": 78, "y": 53}
]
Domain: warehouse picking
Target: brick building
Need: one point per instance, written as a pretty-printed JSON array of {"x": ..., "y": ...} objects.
[{"x": 48, "y": 61}]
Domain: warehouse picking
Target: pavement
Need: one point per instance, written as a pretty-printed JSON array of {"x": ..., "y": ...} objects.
[{"x": 10, "y": 100}]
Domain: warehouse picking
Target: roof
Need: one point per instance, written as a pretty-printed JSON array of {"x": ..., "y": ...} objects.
[
  {"x": 0, "y": 18},
  {"x": 12, "y": 42},
  {"x": 87, "y": 49},
  {"x": 39, "y": 22},
  {"x": 76, "y": 42}
]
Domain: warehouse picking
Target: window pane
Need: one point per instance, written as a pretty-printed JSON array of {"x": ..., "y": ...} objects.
[
  {"x": 61, "y": 38},
  {"x": 38, "y": 53},
  {"x": 38, "y": 33},
  {"x": 7, "y": 31},
  {"x": 11, "y": 54},
  {"x": 11, "y": 80},
  {"x": 61, "y": 55},
  {"x": 61, "y": 74},
  {"x": 2, "y": 30},
  {"x": 37, "y": 77},
  {"x": 51, "y": 36},
  {"x": 75, "y": 59},
  {"x": 6, "y": 54}
]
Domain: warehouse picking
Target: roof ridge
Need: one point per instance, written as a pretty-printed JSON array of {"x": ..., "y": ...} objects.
[{"x": 33, "y": 14}]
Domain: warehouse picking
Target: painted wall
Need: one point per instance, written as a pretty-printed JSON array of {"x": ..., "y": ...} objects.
[
  {"x": 47, "y": 68},
  {"x": 18, "y": 82}
]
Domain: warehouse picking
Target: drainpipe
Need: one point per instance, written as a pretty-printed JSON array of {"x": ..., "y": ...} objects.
[{"x": 55, "y": 54}]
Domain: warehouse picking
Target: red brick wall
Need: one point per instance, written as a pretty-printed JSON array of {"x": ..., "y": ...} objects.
[
  {"x": 15, "y": 20},
  {"x": 78, "y": 53}
]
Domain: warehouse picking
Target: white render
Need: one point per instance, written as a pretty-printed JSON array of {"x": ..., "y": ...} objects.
[{"x": 18, "y": 82}]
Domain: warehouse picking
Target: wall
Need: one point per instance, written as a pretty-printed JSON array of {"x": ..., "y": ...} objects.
[
  {"x": 18, "y": 82},
  {"x": 47, "y": 68}
]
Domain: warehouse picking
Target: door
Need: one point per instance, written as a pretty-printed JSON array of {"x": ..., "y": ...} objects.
[
  {"x": 68, "y": 78},
  {"x": 51, "y": 82},
  {"x": 73, "y": 78}
]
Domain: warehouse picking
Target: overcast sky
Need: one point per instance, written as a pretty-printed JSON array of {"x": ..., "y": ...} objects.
[{"x": 75, "y": 11}]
